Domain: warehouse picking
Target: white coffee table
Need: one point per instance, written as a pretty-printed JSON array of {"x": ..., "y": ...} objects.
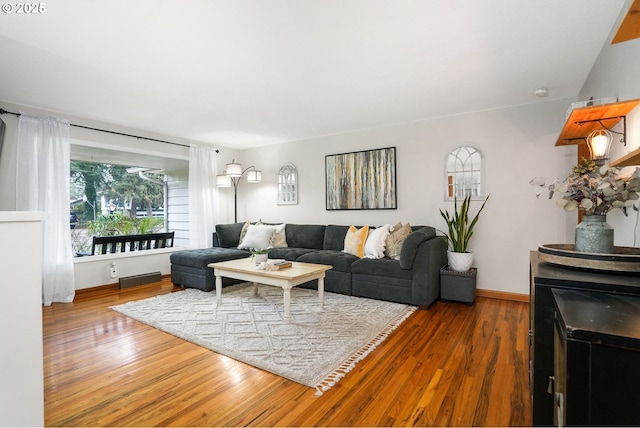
[{"x": 245, "y": 270}]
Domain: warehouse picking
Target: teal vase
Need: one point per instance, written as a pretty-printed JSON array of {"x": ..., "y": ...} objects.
[{"x": 594, "y": 235}]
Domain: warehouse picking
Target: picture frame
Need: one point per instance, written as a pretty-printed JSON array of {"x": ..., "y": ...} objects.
[
  {"x": 288, "y": 185},
  {"x": 363, "y": 180}
]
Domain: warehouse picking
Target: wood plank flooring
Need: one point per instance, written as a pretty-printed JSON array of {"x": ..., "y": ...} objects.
[{"x": 450, "y": 365}]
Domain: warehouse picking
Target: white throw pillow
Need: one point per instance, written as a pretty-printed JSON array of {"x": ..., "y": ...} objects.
[
  {"x": 376, "y": 241},
  {"x": 258, "y": 236},
  {"x": 245, "y": 227},
  {"x": 279, "y": 237}
]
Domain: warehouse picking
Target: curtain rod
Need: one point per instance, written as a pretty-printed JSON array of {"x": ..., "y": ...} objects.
[{"x": 3, "y": 111}]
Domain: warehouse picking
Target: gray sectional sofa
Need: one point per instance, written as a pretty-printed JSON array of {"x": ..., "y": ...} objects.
[{"x": 413, "y": 279}]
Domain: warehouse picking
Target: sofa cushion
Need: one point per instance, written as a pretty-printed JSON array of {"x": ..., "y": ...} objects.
[
  {"x": 229, "y": 234},
  {"x": 334, "y": 237},
  {"x": 334, "y": 282},
  {"x": 288, "y": 253},
  {"x": 339, "y": 260},
  {"x": 305, "y": 235},
  {"x": 385, "y": 267},
  {"x": 202, "y": 257},
  {"x": 382, "y": 288}
]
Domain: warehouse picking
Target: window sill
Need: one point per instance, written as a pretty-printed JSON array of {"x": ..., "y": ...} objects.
[{"x": 126, "y": 255}]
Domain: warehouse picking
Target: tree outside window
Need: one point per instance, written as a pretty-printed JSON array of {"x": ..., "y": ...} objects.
[{"x": 113, "y": 200}]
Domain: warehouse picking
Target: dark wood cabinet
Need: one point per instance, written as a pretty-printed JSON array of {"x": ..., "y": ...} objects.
[
  {"x": 596, "y": 359},
  {"x": 546, "y": 277}
]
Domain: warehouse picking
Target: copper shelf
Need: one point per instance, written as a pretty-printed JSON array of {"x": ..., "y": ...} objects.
[
  {"x": 630, "y": 27},
  {"x": 582, "y": 121}
]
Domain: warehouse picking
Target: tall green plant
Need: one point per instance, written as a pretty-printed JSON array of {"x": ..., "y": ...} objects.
[
  {"x": 119, "y": 224},
  {"x": 460, "y": 228},
  {"x": 148, "y": 224}
]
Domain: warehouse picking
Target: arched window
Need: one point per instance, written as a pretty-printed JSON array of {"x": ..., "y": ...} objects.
[
  {"x": 464, "y": 173},
  {"x": 288, "y": 185}
]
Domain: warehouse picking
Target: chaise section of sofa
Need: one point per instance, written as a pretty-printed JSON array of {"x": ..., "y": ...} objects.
[
  {"x": 413, "y": 279},
  {"x": 189, "y": 268}
]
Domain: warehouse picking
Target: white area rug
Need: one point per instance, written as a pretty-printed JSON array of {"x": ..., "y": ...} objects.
[{"x": 317, "y": 348}]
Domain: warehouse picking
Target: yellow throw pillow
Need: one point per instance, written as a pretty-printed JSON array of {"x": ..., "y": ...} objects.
[{"x": 355, "y": 240}]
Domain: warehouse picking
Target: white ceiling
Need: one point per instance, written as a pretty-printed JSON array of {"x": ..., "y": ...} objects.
[{"x": 245, "y": 73}]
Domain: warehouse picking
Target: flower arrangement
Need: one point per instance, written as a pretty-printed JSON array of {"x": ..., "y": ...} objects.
[{"x": 592, "y": 189}]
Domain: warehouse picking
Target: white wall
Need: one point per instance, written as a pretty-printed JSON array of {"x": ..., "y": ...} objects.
[
  {"x": 617, "y": 73},
  {"x": 21, "y": 368},
  {"x": 94, "y": 271},
  {"x": 518, "y": 144}
]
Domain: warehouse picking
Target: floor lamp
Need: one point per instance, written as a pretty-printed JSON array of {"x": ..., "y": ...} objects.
[{"x": 232, "y": 175}]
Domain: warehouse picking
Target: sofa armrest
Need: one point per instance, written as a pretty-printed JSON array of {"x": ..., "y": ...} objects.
[
  {"x": 411, "y": 245},
  {"x": 430, "y": 257}
]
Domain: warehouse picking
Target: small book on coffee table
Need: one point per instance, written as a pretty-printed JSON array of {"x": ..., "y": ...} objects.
[{"x": 279, "y": 263}]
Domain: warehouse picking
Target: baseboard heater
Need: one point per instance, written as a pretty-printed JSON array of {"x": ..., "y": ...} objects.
[{"x": 135, "y": 280}]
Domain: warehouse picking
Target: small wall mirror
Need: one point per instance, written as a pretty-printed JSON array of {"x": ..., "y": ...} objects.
[
  {"x": 464, "y": 173},
  {"x": 288, "y": 185}
]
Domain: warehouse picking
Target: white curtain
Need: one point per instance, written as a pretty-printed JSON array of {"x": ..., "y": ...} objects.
[
  {"x": 202, "y": 196},
  {"x": 42, "y": 184}
]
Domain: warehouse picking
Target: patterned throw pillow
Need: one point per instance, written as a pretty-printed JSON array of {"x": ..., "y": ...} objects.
[
  {"x": 243, "y": 231},
  {"x": 396, "y": 239},
  {"x": 355, "y": 240},
  {"x": 279, "y": 237}
]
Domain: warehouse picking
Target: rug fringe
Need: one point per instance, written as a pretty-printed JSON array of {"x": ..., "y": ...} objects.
[{"x": 348, "y": 365}]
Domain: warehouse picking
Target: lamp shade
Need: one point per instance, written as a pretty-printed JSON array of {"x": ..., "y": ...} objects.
[
  {"x": 599, "y": 142},
  {"x": 254, "y": 176},
  {"x": 223, "y": 180},
  {"x": 234, "y": 169}
]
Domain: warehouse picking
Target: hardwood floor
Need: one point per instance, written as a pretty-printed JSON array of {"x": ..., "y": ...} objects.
[{"x": 450, "y": 365}]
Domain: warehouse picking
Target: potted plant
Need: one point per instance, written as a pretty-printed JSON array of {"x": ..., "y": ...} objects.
[
  {"x": 593, "y": 190},
  {"x": 460, "y": 230},
  {"x": 259, "y": 256}
]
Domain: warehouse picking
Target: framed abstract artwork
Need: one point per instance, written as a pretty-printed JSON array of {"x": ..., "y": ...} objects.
[{"x": 363, "y": 180}]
